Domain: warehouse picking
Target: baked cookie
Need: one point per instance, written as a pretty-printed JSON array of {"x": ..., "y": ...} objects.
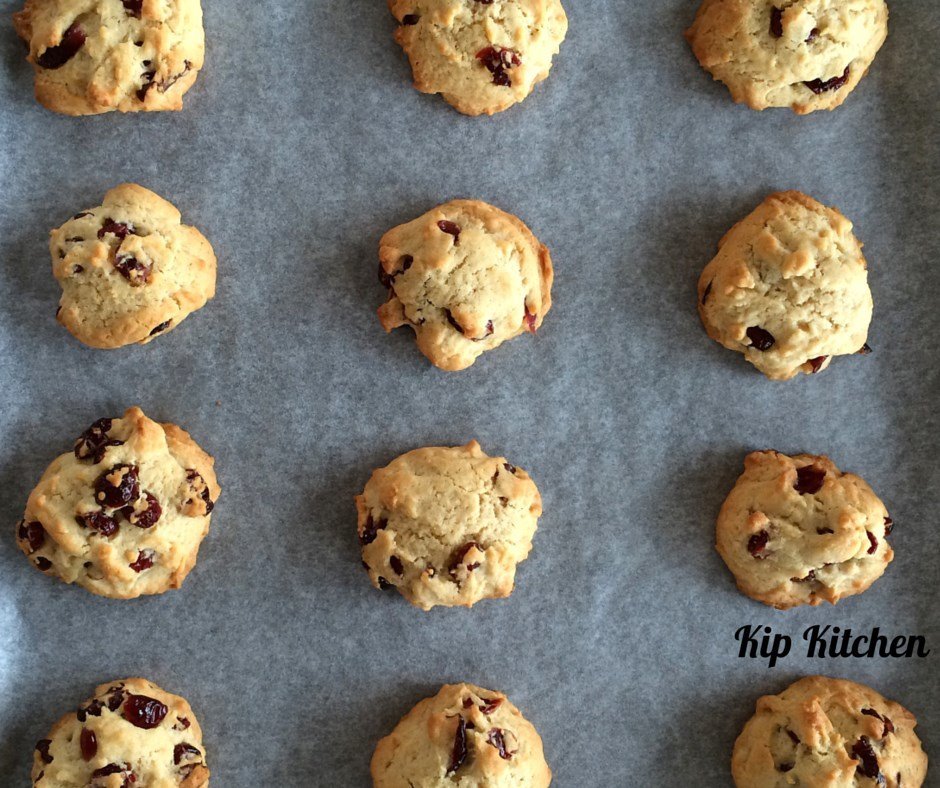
[
  {"x": 828, "y": 733},
  {"x": 94, "y": 56},
  {"x": 464, "y": 736},
  {"x": 124, "y": 513},
  {"x": 466, "y": 277},
  {"x": 802, "y": 54},
  {"x": 482, "y": 56},
  {"x": 447, "y": 526},
  {"x": 129, "y": 271},
  {"x": 130, "y": 734},
  {"x": 798, "y": 531},
  {"x": 788, "y": 288}
]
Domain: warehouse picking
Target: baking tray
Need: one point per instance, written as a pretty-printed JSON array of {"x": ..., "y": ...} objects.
[{"x": 300, "y": 144}]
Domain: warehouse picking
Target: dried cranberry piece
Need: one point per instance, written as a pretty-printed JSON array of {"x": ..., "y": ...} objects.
[
  {"x": 73, "y": 39},
  {"x": 874, "y": 543},
  {"x": 450, "y": 228},
  {"x": 120, "y": 229},
  {"x": 760, "y": 338},
  {"x": 387, "y": 279},
  {"x": 104, "y": 771},
  {"x": 147, "y": 77},
  {"x": 371, "y": 529},
  {"x": 144, "y": 561},
  {"x": 115, "y": 699},
  {"x": 776, "y": 22},
  {"x": 44, "y": 564},
  {"x": 816, "y": 363},
  {"x": 384, "y": 584},
  {"x": 93, "y": 709},
  {"x": 812, "y": 35},
  {"x": 863, "y": 751},
  {"x": 98, "y": 521},
  {"x": 42, "y": 747},
  {"x": 498, "y": 740},
  {"x": 130, "y": 779},
  {"x": 118, "y": 486},
  {"x": 134, "y": 271},
  {"x": 889, "y": 526},
  {"x": 88, "y": 743},
  {"x": 809, "y": 578},
  {"x": 757, "y": 544},
  {"x": 489, "y": 332},
  {"x": 94, "y": 441},
  {"x": 864, "y": 350},
  {"x": 182, "y": 723},
  {"x": 133, "y": 7},
  {"x": 511, "y": 468},
  {"x": 33, "y": 534},
  {"x": 162, "y": 327},
  {"x": 490, "y": 705},
  {"x": 819, "y": 86},
  {"x": 396, "y": 564},
  {"x": 459, "y": 555},
  {"x": 529, "y": 319},
  {"x": 181, "y": 751},
  {"x": 199, "y": 489},
  {"x": 809, "y": 480},
  {"x": 410, "y": 19},
  {"x": 459, "y": 752},
  {"x": 888, "y": 725},
  {"x": 146, "y": 518},
  {"x": 498, "y": 61},
  {"x": 144, "y": 712}
]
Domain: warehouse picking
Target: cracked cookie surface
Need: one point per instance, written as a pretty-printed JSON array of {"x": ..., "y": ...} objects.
[
  {"x": 798, "y": 531},
  {"x": 803, "y": 54},
  {"x": 482, "y": 56},
  {"x": 124, "y": 513},
  {"x": 788, "y": 288},
  {"x": 130, "y": 734},
  {"x": 829, "y": 733},
  {"x": 94, "y": 56},
  {"x": 129, "y": 270},
  {"x": 447, "y": 526},
  {"x": 466, "y": 736},
  {"x": 466, "y": 277}
]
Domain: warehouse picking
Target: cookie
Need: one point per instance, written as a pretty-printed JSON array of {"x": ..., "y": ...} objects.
[
  {"x": 788, "y": 288},
  {"x": 447, "y": 526},
  {"x": 798, "y": 531},
  {"x": 803, "y": 54},
  {"x": 129, "y": 271},
  {"x": 466, "y": 277},
  {"x": 124, "y": 513},
  {"x": 829, "y": 733},
  {"x": 131, "y": 733},
  {"x": 481, "y": 56},
  {"x": 94, "y": 56},
  {"x": 464, "y": 736}
]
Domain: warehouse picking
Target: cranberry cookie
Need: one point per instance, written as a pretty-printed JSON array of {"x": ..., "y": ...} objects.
[
  {"x": 802, "y": 54},
  {"x": 466, "y": 277},
  {"x": 798, "y": 531},
  {"x": 131, "y": 734},
  {"x": 464, "y": 735},
  {"x": 481, "y": 56},
  {"x": 447, "y": 526},
  {"x": 129, "y": 271},
  {"x": 94, "y": 56},
  {"x": 829, "y": 733},
  {"x": 124, "y": 513},
  {"x": 788, "y": 288}
]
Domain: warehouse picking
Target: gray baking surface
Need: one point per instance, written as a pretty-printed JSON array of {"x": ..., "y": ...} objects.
[{"x": 300, "y": 144}]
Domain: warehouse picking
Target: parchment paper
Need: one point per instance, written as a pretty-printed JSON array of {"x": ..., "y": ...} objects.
[{"x": 300, "y": 144}]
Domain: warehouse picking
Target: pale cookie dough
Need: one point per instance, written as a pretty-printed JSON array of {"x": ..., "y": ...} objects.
[
  {"x": 798, "y": 531},
  {"x": 464, "y": 736},
  {"x": 124, "y": 513},
  {"x": 131, "y": 734},
  {"x": 94, "y": 56},
  {"x": 803, "y": 54},
  {"x": 788, "y": 288},
  {"x": 447, "y": 526},
  {"x": 829, "y": 733},
  {"x": 482, "y": 56},
  {"x": 129, "y": 271},
  {"x": 466, "y": 277}
]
